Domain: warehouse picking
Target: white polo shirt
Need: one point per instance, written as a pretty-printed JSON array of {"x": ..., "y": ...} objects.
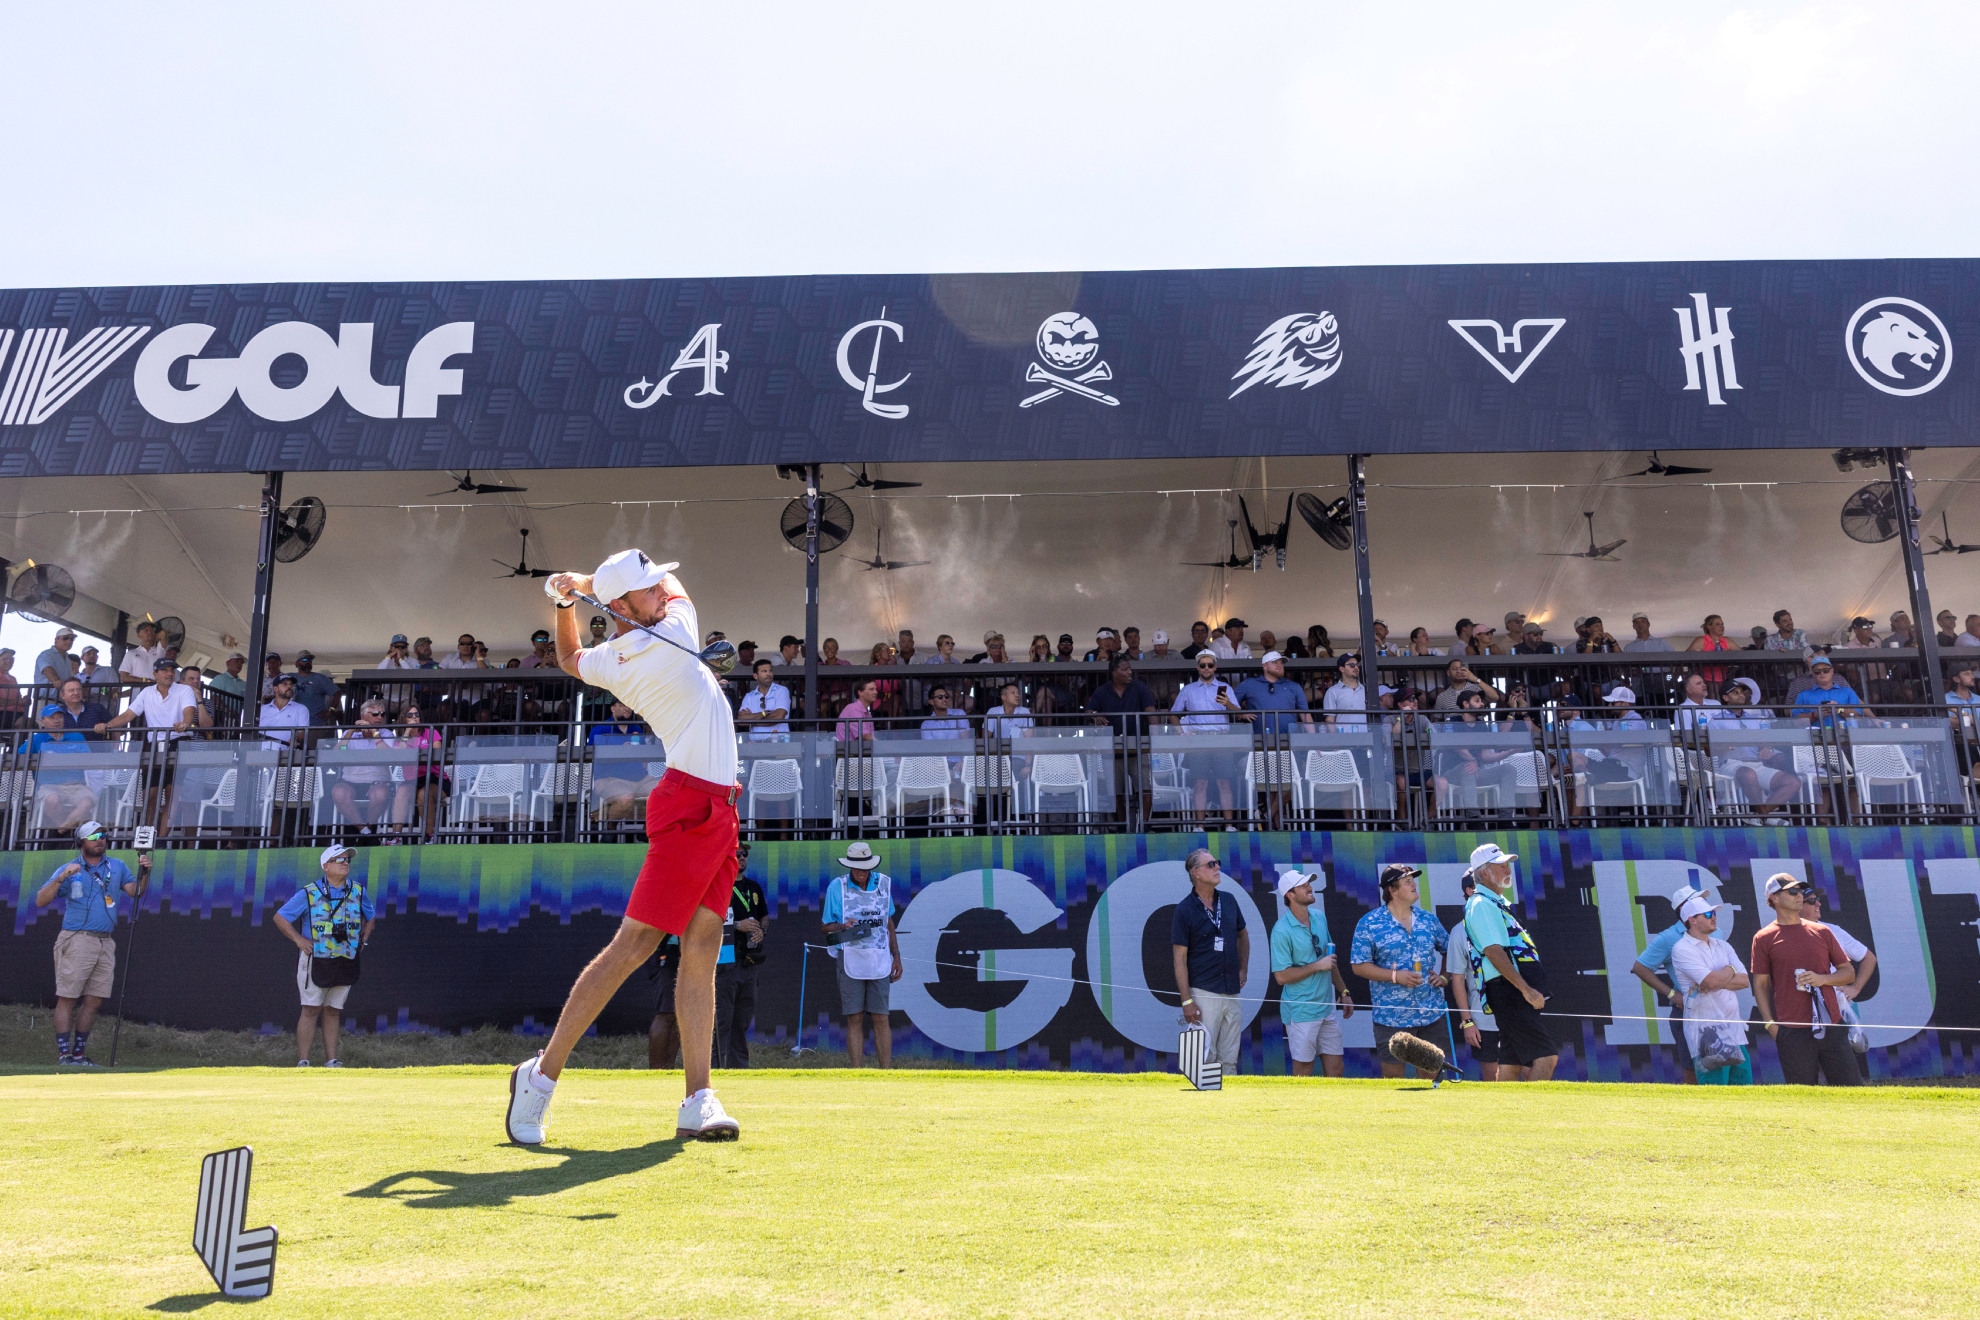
[
  {"x": 755, "y": 703},
  {"x": 138, "y": 661},
  {"x": 671, "y": 689},
  {"x": 163, "y": 712}
]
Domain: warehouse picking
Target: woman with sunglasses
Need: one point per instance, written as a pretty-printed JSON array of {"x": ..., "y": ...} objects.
[
  {"x": 1206, "y": 706},
  {"x": 430, "y": 782}
]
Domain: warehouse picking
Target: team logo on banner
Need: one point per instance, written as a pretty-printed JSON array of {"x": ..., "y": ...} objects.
[
  {"x": 701, "y": 353},
  {"x": 1898, "y": 346},
  {"x": 1707, "y": 346},
  {"x": 48, "y": 371},
  {"x": 1302, "y": 349},
  {"x": 1522, "y": 357},
  {"x": 868, "y": 384},
  {"x": 1067, "y": 345},
  {"x": 984, "y": 969}
]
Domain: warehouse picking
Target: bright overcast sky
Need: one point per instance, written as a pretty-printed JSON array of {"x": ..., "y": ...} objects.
[{"x": 201, "y": 142}]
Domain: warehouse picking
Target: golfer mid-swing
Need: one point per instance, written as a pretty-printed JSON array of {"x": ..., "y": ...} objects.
[{"x": 683, "y": 887}]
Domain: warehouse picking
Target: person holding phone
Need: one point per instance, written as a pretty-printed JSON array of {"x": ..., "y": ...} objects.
[
  {"x": 86, "y": 949},
  {"x": 1206, "y": 706}
]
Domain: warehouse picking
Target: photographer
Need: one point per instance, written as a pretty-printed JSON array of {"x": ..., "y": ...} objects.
[
  {"x": 735, "y": 969},
  {"x": 340, "y": 922},
  {"x": 85, "y": 949}
]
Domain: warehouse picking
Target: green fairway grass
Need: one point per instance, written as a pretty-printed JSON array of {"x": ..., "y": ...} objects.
[{"x": 1020, "y": 1194}]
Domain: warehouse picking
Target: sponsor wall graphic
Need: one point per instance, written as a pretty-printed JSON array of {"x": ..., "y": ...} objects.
[
  {"x": 1100, "y": 365},
  {"x": 1049, "y": 952}
]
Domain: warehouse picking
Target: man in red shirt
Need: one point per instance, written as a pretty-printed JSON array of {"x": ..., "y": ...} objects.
[{"x": 1794, "y": 989}]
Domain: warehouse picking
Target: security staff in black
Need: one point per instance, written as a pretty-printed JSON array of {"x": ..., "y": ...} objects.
[{"x": 742, "y": 954}]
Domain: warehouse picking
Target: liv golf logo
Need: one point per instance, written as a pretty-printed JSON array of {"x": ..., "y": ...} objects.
[{"x": 44, "y": 371}]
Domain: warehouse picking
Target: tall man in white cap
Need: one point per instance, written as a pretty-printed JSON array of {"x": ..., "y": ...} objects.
[
  {"x": 91, "y": 887},
  {"x": 1307, "y": 970},
  {"x": 684, "y": 886},
  {"x": 1503, "y": 956}
]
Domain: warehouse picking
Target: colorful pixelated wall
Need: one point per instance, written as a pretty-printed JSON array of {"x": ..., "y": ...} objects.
[{"x": 1042, "y": 952}]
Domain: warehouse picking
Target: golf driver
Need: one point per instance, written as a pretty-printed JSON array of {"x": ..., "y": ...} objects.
[{"x": 718, "y": 656}]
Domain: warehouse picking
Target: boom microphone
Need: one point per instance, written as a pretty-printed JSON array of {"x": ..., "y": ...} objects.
[{"x": 1421, "y": 1055}]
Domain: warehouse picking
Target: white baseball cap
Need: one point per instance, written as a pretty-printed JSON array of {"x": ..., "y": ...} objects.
[
  {"x": 1619, "y": 693},
  {"x": 1684, "y": 892},
  {"x": 1697, "y": 905},
  {"x": 1269, "y": 657},
  {"x": 333, "y": 852},
  {"x": 629, "y": 570},
  {"x": 1161, "y": 637},
  {"x": 1293, "y": 877},
  {"x": 1486, "y": 854}
]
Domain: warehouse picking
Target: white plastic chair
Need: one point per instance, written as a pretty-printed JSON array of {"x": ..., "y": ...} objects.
[
  {"x": 221, "y": 800},
  {"x": 1336, "y": 773},
  {"x": 1884, "y": 765},
  {"x": 780, "y": 780},
  {"x": 290, "y": 786},
  {"x": 1810, "y": 768},
  {"x": 1060, "y": 774},
  {"x": 986, "y": 777},
  {"x": 491, "y": 784},
  {"x": 558, "y": 783},
  {"x": 1272, "y": 771},
  {"x": 861, "y": 779},
  {"x": 922, "y": 779},
  {"x": 1168, "y": 782}
]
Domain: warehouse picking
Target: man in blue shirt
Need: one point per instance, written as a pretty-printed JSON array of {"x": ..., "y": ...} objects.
[
  {"x": 1308, "y": 974},
  {"x": 1274, "y": 693},
  {"x": 315, "y": 691},
  {"x": 85, "y": 950},
  {"x": 944, "y": 720},
  {"x": 1504, "y": 957},
  {"x": 1212, "y": 951},
  {"x": 1828, "y": 690},
  {"x": 1653, "y": 968}
]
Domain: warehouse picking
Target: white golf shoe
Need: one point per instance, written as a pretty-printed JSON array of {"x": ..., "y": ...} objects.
[
  {"x": 702, "y": 1118},
  {"x": 529, "y": 1105}
]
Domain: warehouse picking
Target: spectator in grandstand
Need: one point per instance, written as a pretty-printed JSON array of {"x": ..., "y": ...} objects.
[
  {"x": 790, "y": 650},
  {"x": 1317, "y": 642},
  {"x": 856, "y": 720},
  {"x": 1764, "y": 774},
  {"x": 1698, "y": 707},
  {"x": 1756, "y": 639},
  {"x": 91, "y": 669},
  {"x": 828, "y": 653},
  {"x": 1419, "y": 643},
  {"x": 1121, "y": 697},
  {"x": 621, "y": 786},
  {"x": 1231, "y": 646},
  {"x": 1962, "y": 693},
  {"x": 398, "y": 654},
  {"x": 859, "y": 909},
  {"x": 1267, "y": 641},
  {"x": 170, "y": 711},
  {"x": 994, "y": 652},
  {"x": 138, "y": 659},
  {"x": 1474, "y": 1015},
  {"x": 271, "y": 670},
  {"x": 904, "y": 648},
  {"x": 1786, "y": 637},
  {"x": 1860, "y": 633},
  {"x": 233, "y": 682},
  {"x": 1709, "y": 976},
  {"x": 468, "y": 654},
  {"x": 1948, "y": 628},
  {"x": 1860, "y": 954},
  {"x": 599, "y": 627},
  {"x": 1210, "y": 947},
  {"x": 55, "y": 664},
  {"x": 1159, "y": 640},
  {"x": 736, "y": 966},
  {"x": 422, "y": 653},
  {"x": 1105, "y": 642},
  {"x": 766, "y": 708},
  {"x": 1714, "y": 639},
  {"x": 1381, "y": 631},
  {"x": 1827, "y": 689},
  {"x": 1064, "y": 653},
  {"x": 1794, "y": 989},
  {"x": 1462, "y": 770},
  {"x": 1639, "y": 623},
  {"x": 63, "y": 797},
  {"x": 1307, "y": 972},
  {"x": 1282, "y": 700},
  {"x": 1207, "y": 705},
  {"x": 1199, "y": 639},
  {"x": 1009, "y": 718},
  {"x": 12, "y": 705},
  {"x": 1461, "y": 632},
  {"x": 1901, "y": 633},
  {"x": 92, "y": 888},
  {"x": 193, "y": 680},
  {"x": 315, "y": 691},
  {"x": 374, "y": 814},
  {"x": 1653, "y": 968},
  {"x": 339, "y": 916},
  {"x": 281, "y": 714},
  {"x": 1971, "y": 637},
  {"x": 1508, "y": 964},
  {"x": 541, "y": 654},
  {"x": 1485, "y": 641},
  {"x": 1131, "y": 642},
  {"x": 1533, "y": 641},
  {"x": 1594, "y": 638},
  {"x": 78, "y": 712},
  {"x": 1599, "y": 765},
  {"x": 944, "y": 721},
  {"x": 1398, "y": 949},
  {"x": 430, "y": 778},
  {"x": 1346, "y": 701},
  {"x": 1041, "y": 649},
  {"x": 1458, "y": 680}
]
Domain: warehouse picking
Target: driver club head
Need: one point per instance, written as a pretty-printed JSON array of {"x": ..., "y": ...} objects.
[{"x": 719, "y": 656}]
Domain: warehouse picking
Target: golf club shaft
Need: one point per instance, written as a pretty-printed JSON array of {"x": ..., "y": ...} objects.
[{"x": 598, "y": 604}]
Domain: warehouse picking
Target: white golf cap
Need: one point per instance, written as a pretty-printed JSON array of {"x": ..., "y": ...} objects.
[
  {"x": 629, "y": 570},
  {"x": 1680, "y": 895},
  {"x": 1487, "y": 854},
  {"x": 1620, "y": 694},
  {"x": 89, "y": 829},
  {"x": 333, "y": 852},
  {"x": 1269, "y": 657},
  {"x": 1161, "y": 637},
  {"x": 859, "y": 857},
  {"x": 1293, "y": 877},
  {"x": 1696, "y": 906}
]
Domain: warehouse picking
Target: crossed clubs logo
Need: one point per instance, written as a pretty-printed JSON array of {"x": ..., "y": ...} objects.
[{"x": 1069, "y": 342}]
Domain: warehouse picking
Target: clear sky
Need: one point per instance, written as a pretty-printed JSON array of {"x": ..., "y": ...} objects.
[{"x": 255, "y": 142}]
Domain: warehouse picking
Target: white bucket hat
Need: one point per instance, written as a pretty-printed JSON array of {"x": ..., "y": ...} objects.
[{"x": 859, "y": 857}]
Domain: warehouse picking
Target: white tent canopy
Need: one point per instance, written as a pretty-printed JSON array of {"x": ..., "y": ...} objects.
[{"x": 1024, "y": 548}]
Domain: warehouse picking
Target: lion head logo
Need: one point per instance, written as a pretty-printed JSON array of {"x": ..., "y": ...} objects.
[
  {"x": 1302, "y": 349},
  {"x": 1893, "y": 335}
]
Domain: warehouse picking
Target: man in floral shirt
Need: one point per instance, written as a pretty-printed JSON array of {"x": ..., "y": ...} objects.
[{"x": 1398, "y": 949}]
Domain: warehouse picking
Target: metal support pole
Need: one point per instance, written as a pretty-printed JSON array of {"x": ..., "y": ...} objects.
[
  {"x": 264, "y": 581},
  {"x": 811, "y": 478},
  {"x": 1922, "y": 623},
  {"x": 1364, "y": 586},
  {"x": 120, "y": 641}
]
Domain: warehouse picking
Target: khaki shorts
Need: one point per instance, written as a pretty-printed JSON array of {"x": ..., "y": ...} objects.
[
  {"x": 85, "y": 965},
  {"x": 314, "y": 995}
]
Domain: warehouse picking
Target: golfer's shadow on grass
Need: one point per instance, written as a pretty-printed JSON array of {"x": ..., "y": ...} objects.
[{"x": 449, "y": 1189}]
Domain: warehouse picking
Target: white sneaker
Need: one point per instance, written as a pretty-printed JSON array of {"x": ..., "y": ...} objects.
[
  {"x": 702, "y": 1118},
  {"x": 302, "y": 1063},
  {"x": 333, "y": 1063},
  {"x": 529, "y": 1106}
]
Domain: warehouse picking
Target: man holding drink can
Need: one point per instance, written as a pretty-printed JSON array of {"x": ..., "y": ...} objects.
[
  {"x": 86, "y": 950},
  {"x": 1307, "y": 970}
]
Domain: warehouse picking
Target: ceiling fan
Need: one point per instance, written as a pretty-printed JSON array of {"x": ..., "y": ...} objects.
[
  {"x": 884, "y": 564},
  {"x": 470, "y": 486},
  {"x": 863, "y": 482},
  {"x": 521, "y": 567},
  {"x": 1944, "y": 544},
  {"x": 1236, "y": 560},
  {"x": 1604, "y": 553},
  {"x": 1659, "y": 468}
]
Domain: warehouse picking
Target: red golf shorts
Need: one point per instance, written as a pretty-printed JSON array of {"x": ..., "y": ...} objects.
[{"x": 691, "y": 833}]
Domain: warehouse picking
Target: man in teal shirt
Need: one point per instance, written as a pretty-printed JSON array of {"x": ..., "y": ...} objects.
[
  {"x": 1306, "y": 969},
  {"x": 1503, "y": 957}
]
